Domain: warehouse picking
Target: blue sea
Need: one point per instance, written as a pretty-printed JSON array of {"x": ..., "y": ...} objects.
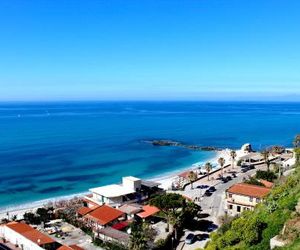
[{"x": 56, "y": 149}]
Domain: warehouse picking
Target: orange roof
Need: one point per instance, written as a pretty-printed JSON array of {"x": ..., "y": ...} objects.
[
  {"x": 249, "y": 190},
  {"x": 184, "y": 174},
  {"x": 64, "y": 248},
  {"x": 105, "y": 214},
  {"x": 30, "y": 233},
  {"x": 84, "y": 210},
  {"x": 71, "y": 247},
  {"x": 148, "y": 211},
  {"x": 267, "y": 184}
]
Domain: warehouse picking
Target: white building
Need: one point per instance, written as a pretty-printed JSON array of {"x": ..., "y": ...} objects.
[
  {"x": 289, "y": 163},
  {"x": 131, "y": 190},
  {"x": 26, "y": 237},
  {"x": 242, "y": 196}
]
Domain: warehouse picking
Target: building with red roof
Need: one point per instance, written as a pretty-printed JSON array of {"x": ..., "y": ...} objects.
[
  {"x": 84, "y": 210},
  {"x": 64, "y": 248},
  {"x": 103, "y": 216},
  {"x": 243, "y": 196},
  {"x": 266, "y": 183},
  {"x": 148, "y": 211},
  {"x": 26, "y": 237},
  {"x": 71, "y": 247}
]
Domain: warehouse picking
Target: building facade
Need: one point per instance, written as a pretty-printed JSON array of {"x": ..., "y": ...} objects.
[{"x": 242, "y": 197}]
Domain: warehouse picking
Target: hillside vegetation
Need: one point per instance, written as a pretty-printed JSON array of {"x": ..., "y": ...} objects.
[{"x": 254, "y": 229}]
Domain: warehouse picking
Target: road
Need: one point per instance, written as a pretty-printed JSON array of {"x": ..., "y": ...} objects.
[{"x": 214, "y": 205}]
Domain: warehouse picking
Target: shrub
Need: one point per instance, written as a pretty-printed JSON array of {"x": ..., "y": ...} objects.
[
  {"x": 254, "y": 229},
  {"x": 266, "y": 175},
  {"x": 254, "y": 181}
]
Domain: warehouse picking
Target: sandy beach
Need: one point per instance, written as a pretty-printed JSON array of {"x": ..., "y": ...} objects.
[{"x": 165, "y": 180}]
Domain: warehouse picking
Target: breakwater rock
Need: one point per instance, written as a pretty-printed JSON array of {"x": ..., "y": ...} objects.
[{"x": 180, "y": 144}]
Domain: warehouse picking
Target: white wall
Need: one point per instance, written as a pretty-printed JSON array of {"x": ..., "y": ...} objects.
[
  {"x": 16, "y": 238},
  {"x": 242, "y": 199},
  {"x": 131, "y": 183}
]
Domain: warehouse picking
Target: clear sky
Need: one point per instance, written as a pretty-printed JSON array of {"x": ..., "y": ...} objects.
[{"x": 149, "y": 49}]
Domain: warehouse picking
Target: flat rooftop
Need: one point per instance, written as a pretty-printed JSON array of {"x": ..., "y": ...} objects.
[
  {"x": 111, "y": 191},
  {"x": 132, "y": 178}
]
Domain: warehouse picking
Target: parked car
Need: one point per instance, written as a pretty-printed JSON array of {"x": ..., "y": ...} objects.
[
  {"x": 190, "y": 238},
  {"x": 244, "y": 170},
  {"x": 224, "y": 180},
  {"x": 207, "y": 193},
  {"x": 212, "y": 227},
  {"x": 233, "y": 175},
  {"x": 202, "y": 186},
  {"x": 229, "y": 178},
  {"x": 212, "y": 189}
]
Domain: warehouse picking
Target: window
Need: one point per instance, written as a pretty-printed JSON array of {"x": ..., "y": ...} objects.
[
  {"x": 230, "y": 195},
  {"x": 257, "y": 200},
  {"x": 230, "y": 207},
  {"x": 250, "y": 199},
  {"x": 238, "y": 208}
]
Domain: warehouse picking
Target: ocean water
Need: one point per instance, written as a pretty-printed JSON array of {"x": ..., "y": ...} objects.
[{"x": 55, "y": 149}]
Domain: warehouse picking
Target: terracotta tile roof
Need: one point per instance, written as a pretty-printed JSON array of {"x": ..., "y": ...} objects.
[
  {"x": 249, "y": 190},
  {"x": 71, "y": 247},
  {"x": 30, "y": 233},
  {"x": 267, "y": 184},
  {"x": 184, "y": 174},
  {"x": 104, "y": 214},
  {"x": 84, "y": 210},
  {"x": 148, "y": 211},
  {"x": 64, "y": 248}
]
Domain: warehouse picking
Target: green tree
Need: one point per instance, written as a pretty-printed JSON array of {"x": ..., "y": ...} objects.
[
  {"x": 138, "y": 238},
  {"x": 296, "y": 141},
  {"x": 233, "y": 156},
  {"x": 171, "y": 205},
  {"x": 43, "y": 214},
  {"x": 265, "y": 175},
  {"x": 192, "y": 177},
  {"x": 254, "y": 181},
  {"x": 221, "y": 161},
  {"x": 297, "y": 155},
  {"x": 208, "y": 168}
]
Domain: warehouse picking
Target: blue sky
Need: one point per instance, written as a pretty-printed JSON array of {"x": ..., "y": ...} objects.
[{"x": 149, "y": 50}]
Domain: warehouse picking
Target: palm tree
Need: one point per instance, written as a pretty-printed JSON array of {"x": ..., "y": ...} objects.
[
  {"x": 171, "y": 205},
  {"x": 138, "y": 240},
  {"x": 208, "y": 168},
  {"x": 233, "y": 156},
  {"x": 296, "y": 141},
  {"x": 221, "y": 161},
  {"x": 192, "y": 177},
  {"x": 265, "y": 154}
]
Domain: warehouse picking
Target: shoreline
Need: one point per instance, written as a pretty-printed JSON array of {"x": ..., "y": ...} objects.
[{"x": 164, "y": 179}]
